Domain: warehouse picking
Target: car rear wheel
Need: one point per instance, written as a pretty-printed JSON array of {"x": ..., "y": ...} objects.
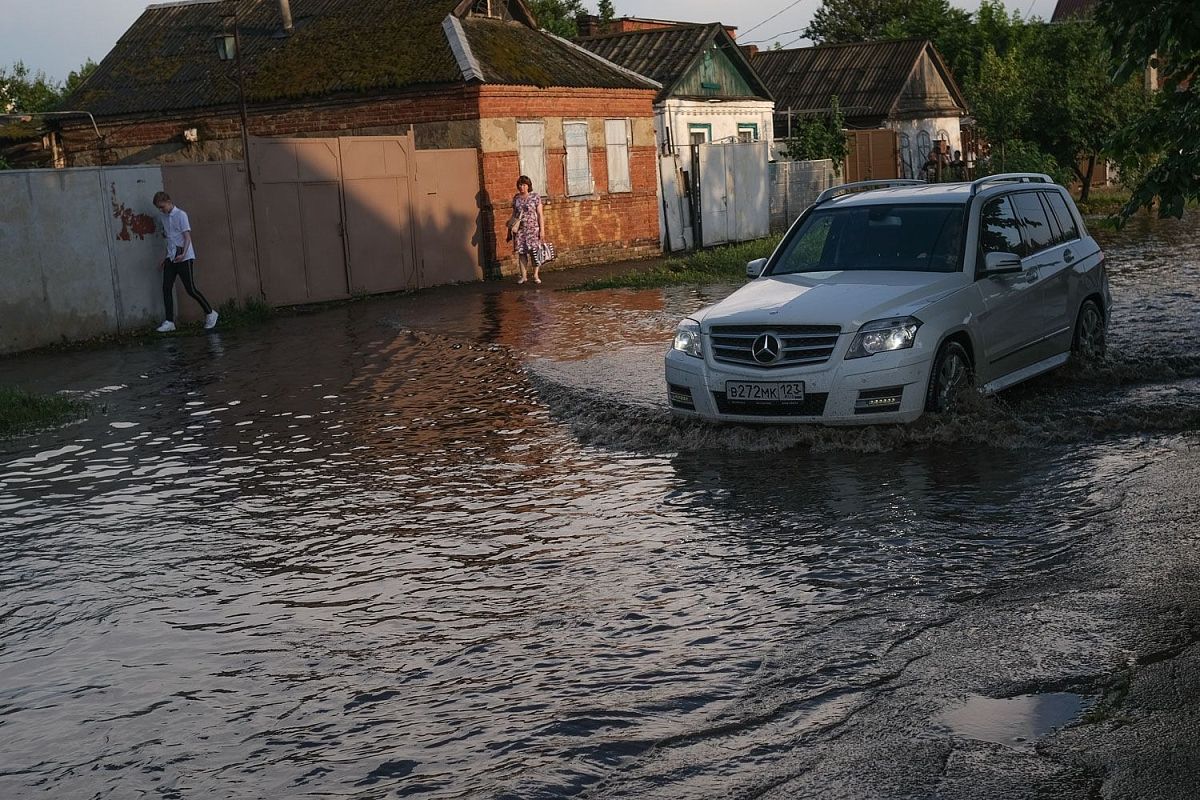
[
  {"x": 1090, "y": 341},
  {"x": 950, "y": 376}
]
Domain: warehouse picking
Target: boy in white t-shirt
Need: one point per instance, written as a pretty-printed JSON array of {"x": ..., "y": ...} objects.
[{"x": 179, "y": 261}]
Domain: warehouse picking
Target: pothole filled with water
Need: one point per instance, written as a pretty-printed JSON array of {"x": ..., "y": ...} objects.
[{"x": 1014, "y": 721}]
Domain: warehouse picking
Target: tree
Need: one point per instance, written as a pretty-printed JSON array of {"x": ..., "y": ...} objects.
[
  {"x": 1001, "y": 98},
  {"x": 558, "y": 16},
  {"x": 24, "y": 92},
  {"x": 1167, "y": 134},
  {"x": 816, "y": 137},
  {"x": 838, "y": 21},
  {"x": 76, "y": 78},
  {"x": 607, "y": 11},
  {"x": 1080, "y": 108}
]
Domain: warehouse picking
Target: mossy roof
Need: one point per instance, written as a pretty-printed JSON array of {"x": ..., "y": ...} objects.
[
  {"x": 167, "y": 61},
  {"x": 668, "y": 54}
]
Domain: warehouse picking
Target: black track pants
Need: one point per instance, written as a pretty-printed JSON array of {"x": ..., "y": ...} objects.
[{"x": 184, "y": 270}]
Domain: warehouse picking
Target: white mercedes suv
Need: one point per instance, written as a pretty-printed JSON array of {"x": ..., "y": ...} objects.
[{"x": 887, "y": 298}]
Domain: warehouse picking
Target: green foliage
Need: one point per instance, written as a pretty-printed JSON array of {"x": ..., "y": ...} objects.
[
  {"x": 815, "y": 137},
  {"x": 1165, "y": 137},
  {"x": 838, "y": 21},
  {"x": 607, "y": 11},
  {"x": 24, "y": 92},
  {"x": 76, "y": 77},
  {"x": 1017, "y": 155},
  {"x": 558, "y": 16},
  {"x": 22, "y": 411},
  {"x": 1080, "y": 107},
  {"x": 725, "y": 264},
  {"x": 1001, "y": 96}
]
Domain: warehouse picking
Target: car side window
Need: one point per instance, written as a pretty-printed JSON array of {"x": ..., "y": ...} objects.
[
  {"x": 1038, "y": 233},
  {"x": 998, "y": 231},
  {"x": 1066, "y": 220}
]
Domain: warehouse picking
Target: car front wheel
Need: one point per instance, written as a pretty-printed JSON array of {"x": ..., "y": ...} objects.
[
  {"x": 951, "y": 375},
  {"x": 1090, "y": 341}
]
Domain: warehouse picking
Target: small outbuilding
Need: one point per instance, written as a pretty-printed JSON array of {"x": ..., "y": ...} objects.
[{"x": 899, "y": 85}]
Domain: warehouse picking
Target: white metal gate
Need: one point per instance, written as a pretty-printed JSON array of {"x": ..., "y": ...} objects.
[{"x": 733, "y": 192}]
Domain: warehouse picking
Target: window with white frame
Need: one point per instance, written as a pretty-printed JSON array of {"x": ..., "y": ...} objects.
[
  {"x": 747, "y": 132},
  {"x": 616, "y": 143},
  {"x": 699, "y": 133},
  {"x": 531, "y": 153},
  {"x": 579, "y": 169}
]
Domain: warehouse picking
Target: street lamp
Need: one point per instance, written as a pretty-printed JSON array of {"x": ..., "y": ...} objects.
[{"x": 229, "y": 48}]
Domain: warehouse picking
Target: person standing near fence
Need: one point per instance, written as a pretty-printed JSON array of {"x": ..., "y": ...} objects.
[{"x": 181, "y": 256}]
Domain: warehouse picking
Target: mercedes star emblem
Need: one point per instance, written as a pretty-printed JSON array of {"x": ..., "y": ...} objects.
[{"x": 766, "y": 349}]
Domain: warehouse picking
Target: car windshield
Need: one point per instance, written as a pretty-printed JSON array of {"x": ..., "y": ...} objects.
[{"x": 917, "y": 237}]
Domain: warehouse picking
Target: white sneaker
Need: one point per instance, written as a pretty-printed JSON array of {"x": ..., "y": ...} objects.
[
  {"x": 166, "y": 327},
  {"x": 210, "y": 320}
]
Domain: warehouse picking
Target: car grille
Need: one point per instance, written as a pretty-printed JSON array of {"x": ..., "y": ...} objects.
[
  {"x": 801, "y": 344},
  {"x": 813, "y": 406}
]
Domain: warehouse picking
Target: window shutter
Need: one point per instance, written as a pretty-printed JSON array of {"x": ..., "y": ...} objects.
[
  {"x": 531, "y": 153},
  {"x": 616, "y": 138},
  {"x": 579, "y": 172}
]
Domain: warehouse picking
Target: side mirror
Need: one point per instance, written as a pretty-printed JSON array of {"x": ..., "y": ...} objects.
[
  {"x": 1001, "y": 264},
  {"x": 755, "y": 268}
]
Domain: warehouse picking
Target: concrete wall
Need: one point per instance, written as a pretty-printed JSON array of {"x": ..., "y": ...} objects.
[{"x": 78, "y": 250}]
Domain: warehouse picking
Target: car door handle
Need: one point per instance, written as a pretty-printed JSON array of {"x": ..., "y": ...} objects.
[{"x": 1068, "y": 256}]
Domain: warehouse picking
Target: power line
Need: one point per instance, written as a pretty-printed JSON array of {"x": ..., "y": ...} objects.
[
  {"x": 769, "y": 38},
  {"x": 773, "y": 16}
]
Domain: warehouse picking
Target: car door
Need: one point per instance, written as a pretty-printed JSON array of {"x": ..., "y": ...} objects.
[
  {"x": 1010, "y": 324},
  {"x": 1045, "y": 257},
  {"x": 1064, "y": 297}
]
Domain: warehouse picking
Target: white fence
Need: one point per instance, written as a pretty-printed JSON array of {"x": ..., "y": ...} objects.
[{"x": 794, "y": 187}]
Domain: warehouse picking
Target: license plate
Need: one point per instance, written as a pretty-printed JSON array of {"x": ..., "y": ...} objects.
[{"x": 759, "y": 392}]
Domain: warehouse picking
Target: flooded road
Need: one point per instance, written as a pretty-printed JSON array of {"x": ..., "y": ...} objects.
[{"x": 453, "y": 546}]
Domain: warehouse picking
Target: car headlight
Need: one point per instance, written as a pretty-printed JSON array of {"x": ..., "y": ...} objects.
[
  {"x": 687, "y": 338},
  {"x": 883, "y": 336}
]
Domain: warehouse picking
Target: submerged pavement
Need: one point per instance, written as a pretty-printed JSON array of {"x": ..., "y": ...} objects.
[{"x": 453, "y": 545}]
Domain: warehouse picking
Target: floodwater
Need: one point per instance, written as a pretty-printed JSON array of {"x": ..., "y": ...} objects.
[{"x": 453, "y": 546}]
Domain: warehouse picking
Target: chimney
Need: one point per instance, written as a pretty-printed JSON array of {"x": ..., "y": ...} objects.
[
  {"x": 588, "y": 25},
  {"x": 285, "y": 16},
  {"x": 750, "y": 50}
]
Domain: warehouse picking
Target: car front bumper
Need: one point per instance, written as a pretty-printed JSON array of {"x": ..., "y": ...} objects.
[{"x": 838, "y": 392}]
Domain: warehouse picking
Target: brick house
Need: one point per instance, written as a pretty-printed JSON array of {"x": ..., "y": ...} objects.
[{"x": 472, "y": 74}]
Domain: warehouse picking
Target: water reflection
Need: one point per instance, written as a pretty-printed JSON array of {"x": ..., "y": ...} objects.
[{"x": 365, "y": 552}]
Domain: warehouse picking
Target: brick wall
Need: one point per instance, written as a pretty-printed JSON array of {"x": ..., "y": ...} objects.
[
  {"x": 596, "y": 228},
  {"x": 157, "y": 139}
]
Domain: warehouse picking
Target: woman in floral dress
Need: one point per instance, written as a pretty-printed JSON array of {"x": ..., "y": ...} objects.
[{"x": 527, "y": 207}]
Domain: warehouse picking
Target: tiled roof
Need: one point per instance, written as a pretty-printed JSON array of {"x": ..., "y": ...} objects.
[
  {"x": 665, "y": 54},
  {"x": 866, "y": 77},
  {"x": 1066, "y": 9},
  {"x": 167, "y": 61}
]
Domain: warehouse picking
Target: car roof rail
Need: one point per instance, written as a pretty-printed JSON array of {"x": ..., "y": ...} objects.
[
  {"x": 1009, "y": 177},
  {"x": 846, "y": 188}
]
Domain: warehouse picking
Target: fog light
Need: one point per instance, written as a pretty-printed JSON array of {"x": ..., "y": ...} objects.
[
  {"x": 877, "y": 401},
  {"x": 680, "y": 397}
]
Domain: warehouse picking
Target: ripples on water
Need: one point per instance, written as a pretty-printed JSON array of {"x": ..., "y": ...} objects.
[{"x": 332, "y": 558}]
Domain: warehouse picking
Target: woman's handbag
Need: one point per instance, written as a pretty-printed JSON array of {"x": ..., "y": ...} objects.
[
  {"x": 545, "y": 252},
  {"x": 514, "y": 222}
]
